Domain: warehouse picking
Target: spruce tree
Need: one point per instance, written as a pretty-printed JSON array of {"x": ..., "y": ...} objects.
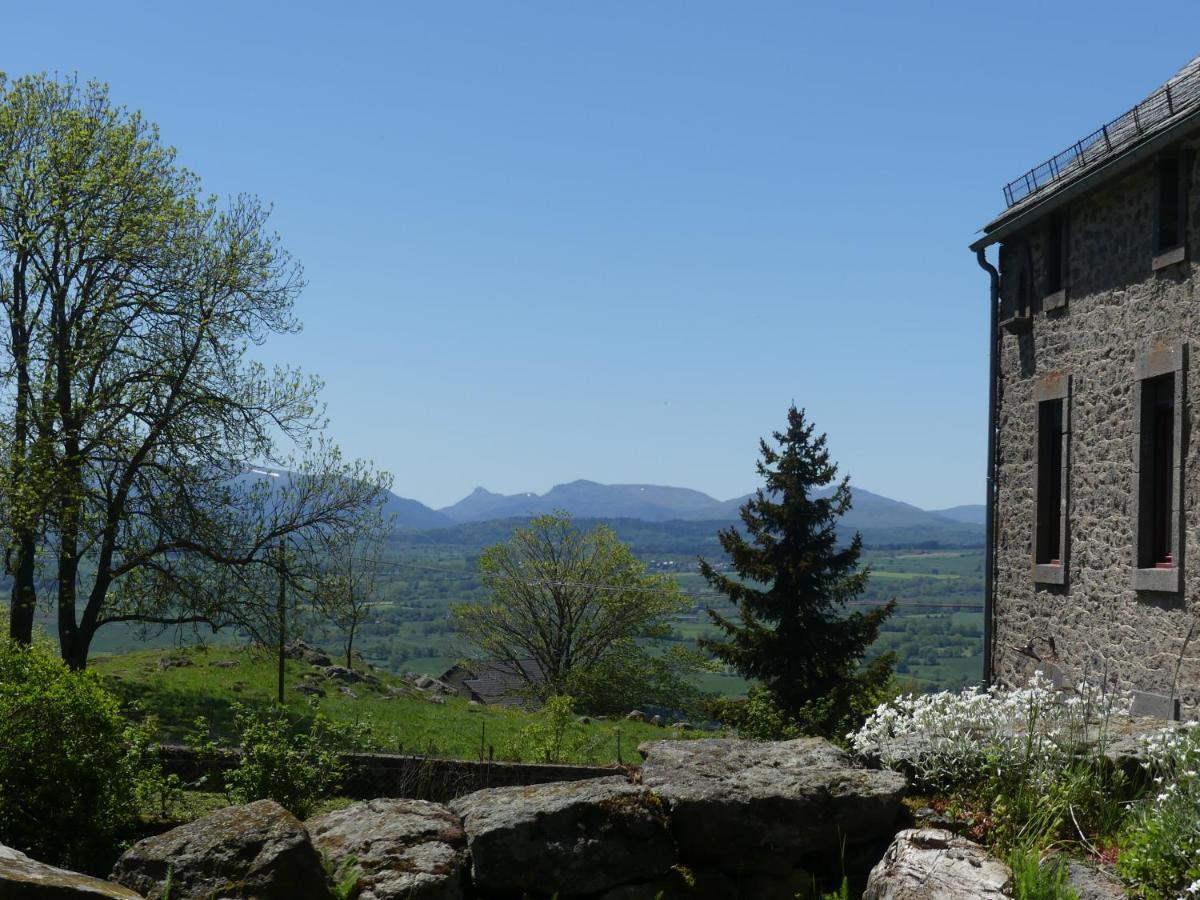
[{"x": 793, "y": 632}]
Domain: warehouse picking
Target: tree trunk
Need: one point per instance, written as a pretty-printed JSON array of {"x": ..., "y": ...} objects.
[
  {"x": 24, "y": 595},
  {"x": 75, "y": 648}
]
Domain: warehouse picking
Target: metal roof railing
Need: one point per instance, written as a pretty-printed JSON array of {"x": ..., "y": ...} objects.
[{"x": 1178, "y": 94}]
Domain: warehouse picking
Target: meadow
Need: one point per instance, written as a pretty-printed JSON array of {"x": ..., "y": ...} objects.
[{"x": 181, "y": 684}]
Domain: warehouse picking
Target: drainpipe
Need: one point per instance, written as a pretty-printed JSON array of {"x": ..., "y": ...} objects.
[{"x": 989, "y": 559}]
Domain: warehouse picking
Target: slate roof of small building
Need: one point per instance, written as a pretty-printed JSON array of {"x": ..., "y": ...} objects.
[
  {"x": 1169, "y": 110},
  {"x": 499, "y": 684}
]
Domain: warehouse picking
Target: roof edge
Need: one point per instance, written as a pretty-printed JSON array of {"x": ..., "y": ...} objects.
[{"x": 1004, "y": 225}]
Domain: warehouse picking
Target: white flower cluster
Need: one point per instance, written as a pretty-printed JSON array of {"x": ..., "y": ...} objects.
[
  {"x": 1173, "y": 754},
  {"x": 952, "y": 735}
]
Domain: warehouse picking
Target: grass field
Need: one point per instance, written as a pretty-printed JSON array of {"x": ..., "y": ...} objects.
[{"x": 207, "y": 681}]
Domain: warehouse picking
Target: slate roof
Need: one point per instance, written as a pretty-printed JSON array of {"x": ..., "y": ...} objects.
[
  {"x": 496, "y": 684},
  {"x": 1174, "y": 105}
]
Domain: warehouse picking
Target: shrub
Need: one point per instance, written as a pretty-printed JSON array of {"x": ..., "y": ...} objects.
[
  {"x": 554, "y": 736},
  {"x": 294, "y": 766},
  {"x": 757, "y": 717},
  {"x": 1031, "y": 759},
  {"x": 1161, "y": 847},
  {"x": 71, "y": 768}
]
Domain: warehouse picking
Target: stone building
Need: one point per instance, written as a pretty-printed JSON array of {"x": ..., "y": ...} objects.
[{"x": 1094, "y": 458}]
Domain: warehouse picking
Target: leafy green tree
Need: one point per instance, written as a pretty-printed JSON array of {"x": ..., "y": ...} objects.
[
  {"x": 130, "y": 300},
  {"x": 574, "y": 604},
  {"x": 793, "y": 632}
]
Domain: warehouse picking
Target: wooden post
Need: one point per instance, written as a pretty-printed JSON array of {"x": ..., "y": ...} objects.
[{"x": 281, "y": 611}]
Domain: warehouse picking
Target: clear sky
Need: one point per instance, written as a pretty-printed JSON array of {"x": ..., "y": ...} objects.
[{"x": 558, "y": 240}]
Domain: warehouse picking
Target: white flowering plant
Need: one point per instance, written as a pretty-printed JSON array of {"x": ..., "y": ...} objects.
[
  {"x": 1161, "y": 847},
  {"x": 949, "y": 738},
  {"x": 1026, "y": 764}
]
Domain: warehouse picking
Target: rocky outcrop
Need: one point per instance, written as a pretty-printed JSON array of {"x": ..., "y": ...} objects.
[
  {"x": 931, "y": 862},
  {"x": 399, "y": 849},
  {"x": 22, "y": 878},
  {"x": 259, "y": 850},
  {"x": 570, "y": 838},
  {"x": 746, "y": 807}
]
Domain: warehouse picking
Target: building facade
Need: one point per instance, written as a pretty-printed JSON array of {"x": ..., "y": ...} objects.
[{"x": 1094, "y": 454}]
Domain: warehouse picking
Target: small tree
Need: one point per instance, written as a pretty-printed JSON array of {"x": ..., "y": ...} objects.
[
  {"x": 569, "y": 602},
  {"x": 793, "y": 632},
  {"x": 346, "y": 588}
]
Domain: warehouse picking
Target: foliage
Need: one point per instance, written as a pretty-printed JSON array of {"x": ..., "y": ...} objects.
[
  {"x": 131, "y": 410},
  {"x": 793, "y": 632},
  {"x": 1161, "y": 848},
  {"x": 294, "y": 767},
  {"x": 345, "y": 589},
  {"x": 404, "y": 722},
  {"x": 629, "y": 676},
  {"x": 1012, "y": 756},
  {"x": 1038, "y": 878},
  {"x": 757, "y": 717},
  {"x": 573, "y": 604},
  {"x": 554, "y": 735},
  {"x": 70, "y": 781}
]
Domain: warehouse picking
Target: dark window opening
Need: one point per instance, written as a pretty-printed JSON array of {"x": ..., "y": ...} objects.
[
  {"x": 1023, "y": 307},
  {"x": 1170, "y": 204},
  {"x": 1158, "y": 464},
  {"x": 1050, "y": 482},
  {"x": 1056, "y": 253}
]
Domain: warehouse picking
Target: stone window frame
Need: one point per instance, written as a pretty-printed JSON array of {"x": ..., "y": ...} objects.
[
  {"x": 1048, "y": 389},
  {"x": 1059, "y": 221},
  {"x": 1171, "y": 360},
  {"x": 1177, "y": 251}
]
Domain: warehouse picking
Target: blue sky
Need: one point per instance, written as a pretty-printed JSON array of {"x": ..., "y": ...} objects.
[{"x": 552, "y": 240}]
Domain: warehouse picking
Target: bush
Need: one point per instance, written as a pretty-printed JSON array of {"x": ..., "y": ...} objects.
[
  {"x": 554, "y": 736},
  {"x": 1015, "y": 756},
  {"x": 1161, "y": 848},
  {"x": 757, "y": 717},
  {"x": 295, "y": 767},
  {"x": 71, "y": 768},
  {"x": 632, "y": 677}
]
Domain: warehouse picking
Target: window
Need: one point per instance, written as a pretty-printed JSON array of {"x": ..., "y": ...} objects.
[
  {"x": 1159, "y": 533},
  {"x": 1158, "y": 425},
  {"x": 1052, "y": 395},
  {"x": 1171, "y": 208},
  {"x": 1057, "y": 248}
]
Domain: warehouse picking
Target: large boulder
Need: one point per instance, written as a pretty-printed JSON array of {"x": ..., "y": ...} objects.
[
  {"x": 22, "y": 878},
  {"x": 932, "y": 862},
  {"x": 761, "y": 807},
  {"x": 570, "y": 838},
  {"x": 402, "y": 849},
  {"x": 259, "y": 850}
]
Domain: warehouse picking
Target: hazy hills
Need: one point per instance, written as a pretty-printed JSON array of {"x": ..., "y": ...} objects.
[
  {"x": 880, "y": 519},
  {"x": 674, "y": 511}
]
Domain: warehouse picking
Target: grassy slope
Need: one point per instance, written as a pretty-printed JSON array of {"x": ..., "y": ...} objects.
[{"x": 410, "y": 723}]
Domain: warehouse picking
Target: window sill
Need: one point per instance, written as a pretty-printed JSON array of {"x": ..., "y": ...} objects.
[
  {"x": 1169, "y": 258},
  {"x": 1162, "y": 580},
  {"x": 1057, "y": 300},
  {"x": 1049, "y": 573}
]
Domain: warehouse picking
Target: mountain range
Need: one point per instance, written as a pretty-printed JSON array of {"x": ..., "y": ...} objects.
[{"x": 879, "y": 518}]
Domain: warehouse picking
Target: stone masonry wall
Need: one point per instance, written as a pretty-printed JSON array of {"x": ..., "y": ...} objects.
[{"x": 1117, "y": 309}]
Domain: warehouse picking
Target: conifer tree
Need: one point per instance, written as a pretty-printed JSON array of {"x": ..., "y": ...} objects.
[{"x": 793, "y": 632}]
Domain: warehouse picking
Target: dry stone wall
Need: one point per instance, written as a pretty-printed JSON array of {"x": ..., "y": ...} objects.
[{"x": 1118, "y": 308}]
